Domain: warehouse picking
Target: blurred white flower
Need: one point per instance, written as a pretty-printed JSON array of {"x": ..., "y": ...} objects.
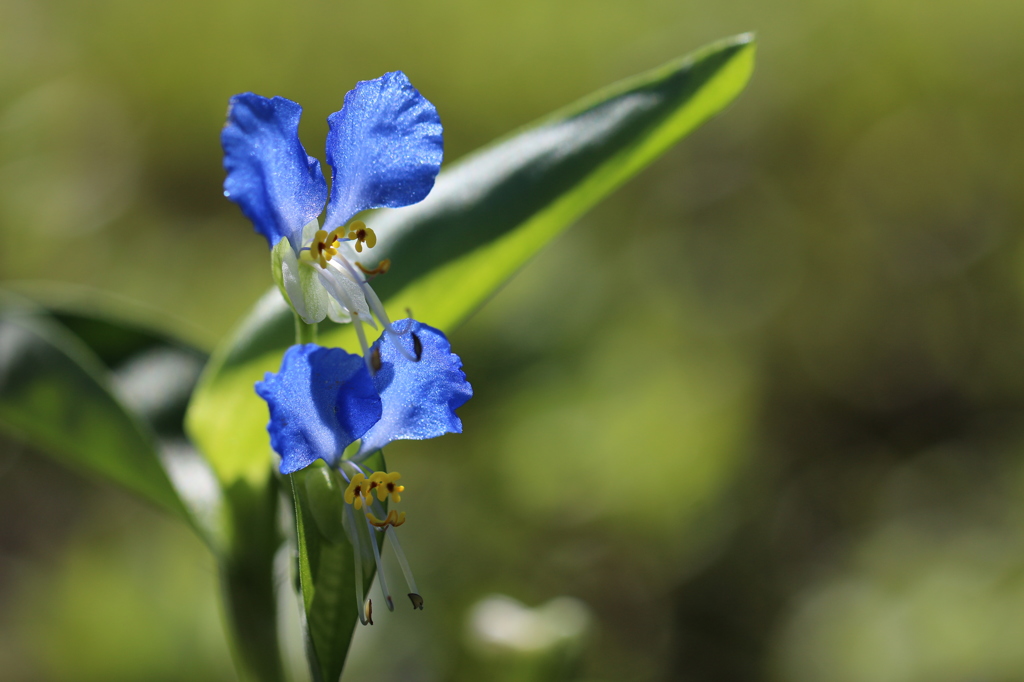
[{"x": 498, "y": 623}]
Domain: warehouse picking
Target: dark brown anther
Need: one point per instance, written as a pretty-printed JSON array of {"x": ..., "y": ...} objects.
[
  {"x": 417, "y": 601},
  {"x": 375, "y": 360},
  {"x": 417, "y": 346}
]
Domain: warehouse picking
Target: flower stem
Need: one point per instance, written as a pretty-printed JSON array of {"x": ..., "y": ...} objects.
[{"x": 304, "y": 333}]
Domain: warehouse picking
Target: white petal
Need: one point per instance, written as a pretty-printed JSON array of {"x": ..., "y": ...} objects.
[
  {"x": 345, "y": 291},
  {"x": 336, "y": 313}
]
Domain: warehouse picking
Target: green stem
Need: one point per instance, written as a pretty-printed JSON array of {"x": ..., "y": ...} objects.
[
  {"x": 304, "y": 333},
  {"x": 247, "y": 574}
]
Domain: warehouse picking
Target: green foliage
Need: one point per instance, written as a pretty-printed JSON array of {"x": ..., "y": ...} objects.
[
  {"x": 487, "y": 216},
  {"x": 821, "y": 302},
  {"x": 108, "y": 396},
  {"x": 103, "y": 396}
]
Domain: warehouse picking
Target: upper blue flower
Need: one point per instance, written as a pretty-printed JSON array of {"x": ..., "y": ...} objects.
[
  {"x": 384, "y": 148},
  {"x": 321, "y": 401}
]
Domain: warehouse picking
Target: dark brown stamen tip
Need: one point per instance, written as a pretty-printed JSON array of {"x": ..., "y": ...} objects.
[
  {"x": 375, "y": 360},
  {"x": 417, "y": 601},
  {"x": 417, "y": 346}
]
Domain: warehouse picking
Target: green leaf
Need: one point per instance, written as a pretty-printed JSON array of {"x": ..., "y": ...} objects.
[
  {"x": 492, "y": 211},
  {"x": 58, "y": 395},
  {"x": 91, "y": 363},
  {"x": 487, "y": 215}
]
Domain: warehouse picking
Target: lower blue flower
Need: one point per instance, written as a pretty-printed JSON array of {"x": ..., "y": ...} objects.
[{"x": 408, "y": 386}]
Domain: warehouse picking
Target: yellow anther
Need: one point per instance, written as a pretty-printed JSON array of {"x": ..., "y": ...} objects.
[
  {"x": 323, "y": 247},
  {"x": 381, "y": 268},
  {"x": 385, "y": 485},
  {"x": 362, "y": 235},
  {"x": 393, "y": 519},
  {"x": 357, "y": 488}
]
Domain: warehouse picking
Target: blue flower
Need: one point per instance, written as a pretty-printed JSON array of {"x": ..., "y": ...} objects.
[
  {"x": 384, "y": 148},
  {"x": 323, "y": 399}
]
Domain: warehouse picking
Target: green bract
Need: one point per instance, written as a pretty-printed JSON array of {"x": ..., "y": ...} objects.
[{"x": 299, "y": 286}]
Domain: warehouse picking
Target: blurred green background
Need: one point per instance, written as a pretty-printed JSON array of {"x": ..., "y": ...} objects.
[{"x": 759, "y": 415}]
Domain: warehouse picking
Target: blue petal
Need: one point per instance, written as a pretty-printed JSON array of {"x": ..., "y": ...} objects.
[
  {"x": 419, "y": 397},
  {"x": 279, "y": 187},
  {"x": 320, "y": 402},
  {"x": 384, "y": 148}
]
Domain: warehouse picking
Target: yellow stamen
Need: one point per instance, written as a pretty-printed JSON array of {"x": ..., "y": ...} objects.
[
  {"x": 323, "y": 247},
  {"x": 393, "y": 519},
  {"x": 385, "y": 485},
  {"x": 362, "y": 235},
  {"x": 357, "y": 488},
  {"x": 381, "y": 268}
]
